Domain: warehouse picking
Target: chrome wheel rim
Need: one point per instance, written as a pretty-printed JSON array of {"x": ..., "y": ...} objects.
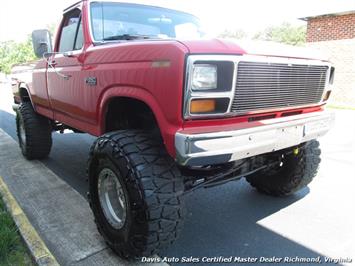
[{"x": 112, "y": 198}]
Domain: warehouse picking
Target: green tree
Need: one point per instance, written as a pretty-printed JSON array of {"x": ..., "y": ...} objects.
[
  {"x": 285, "y": 33},
  {"x": 12, "y": 53},
  {"x": 235, "y": 34},
  {"x": 52, "y": 27}
]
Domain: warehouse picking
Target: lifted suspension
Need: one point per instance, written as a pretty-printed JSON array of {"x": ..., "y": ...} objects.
[{"x": 210, "y": 176}]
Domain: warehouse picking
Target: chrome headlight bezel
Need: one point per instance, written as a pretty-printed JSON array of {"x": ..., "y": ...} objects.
[{"x": 222, "y": 90}]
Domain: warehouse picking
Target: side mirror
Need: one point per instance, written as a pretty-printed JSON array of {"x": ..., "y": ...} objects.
[{"x": 42, "y": 42}]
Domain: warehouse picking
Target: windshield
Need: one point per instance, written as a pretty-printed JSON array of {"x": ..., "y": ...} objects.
[{"x": 119, "y": 21}]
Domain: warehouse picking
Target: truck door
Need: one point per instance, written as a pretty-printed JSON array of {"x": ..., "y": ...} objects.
[{"x": 65, "y": 72}]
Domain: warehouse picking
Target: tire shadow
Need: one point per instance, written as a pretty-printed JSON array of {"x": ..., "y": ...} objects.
[{"x": 223, "y": 221}]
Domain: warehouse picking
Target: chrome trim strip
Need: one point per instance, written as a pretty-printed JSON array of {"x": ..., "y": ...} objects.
[{"x": 272, "y": 135}]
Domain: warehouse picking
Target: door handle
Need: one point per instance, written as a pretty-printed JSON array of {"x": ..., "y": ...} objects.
[
  {"x": 52, "y": 63},
  {"x": 68, "y": 54}
]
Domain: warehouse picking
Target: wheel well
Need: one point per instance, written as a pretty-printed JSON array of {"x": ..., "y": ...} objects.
[
  {"x": 128, "y": 113},
  {"x": 25, "y": 97}
]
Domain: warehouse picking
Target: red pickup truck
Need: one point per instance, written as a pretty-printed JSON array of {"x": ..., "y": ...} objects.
[{"x": 174, "y": 112}]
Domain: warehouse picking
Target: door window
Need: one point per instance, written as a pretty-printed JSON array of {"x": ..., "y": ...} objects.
[{"x": 71, "y": 37}]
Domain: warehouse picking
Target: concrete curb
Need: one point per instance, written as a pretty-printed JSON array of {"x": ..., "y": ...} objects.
[
  {"x": 35, "y": 244},
  {"x": 59, "y": 214}
]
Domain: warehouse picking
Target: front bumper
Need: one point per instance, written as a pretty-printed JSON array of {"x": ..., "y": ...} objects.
[{"x": 267, "y": 136}]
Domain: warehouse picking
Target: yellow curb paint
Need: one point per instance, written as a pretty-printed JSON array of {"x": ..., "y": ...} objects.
[{"x": 34, "y": 242}]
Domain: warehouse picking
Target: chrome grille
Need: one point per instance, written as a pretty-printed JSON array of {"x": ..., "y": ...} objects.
[{"x": 262, "y": 86}]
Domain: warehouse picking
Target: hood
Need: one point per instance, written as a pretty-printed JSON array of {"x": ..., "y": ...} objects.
[{"x": 262, "y": 48}]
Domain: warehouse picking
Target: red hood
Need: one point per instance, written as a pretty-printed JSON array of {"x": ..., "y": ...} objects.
[
  {"x": 263, "y": 48},
  {"x": 212, "y": 46}
]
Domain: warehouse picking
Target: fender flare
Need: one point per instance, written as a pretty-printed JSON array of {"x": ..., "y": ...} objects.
[
  {"x": 23, "y": 86},
  {"x": 166, "y": 128}
]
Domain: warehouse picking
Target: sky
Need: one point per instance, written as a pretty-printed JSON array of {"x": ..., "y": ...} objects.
[{"x": 19, "y": 17}]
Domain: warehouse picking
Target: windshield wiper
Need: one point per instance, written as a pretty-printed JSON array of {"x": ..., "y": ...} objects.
[{"x": 126, "y": 37}]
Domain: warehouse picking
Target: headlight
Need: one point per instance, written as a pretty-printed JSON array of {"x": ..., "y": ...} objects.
[
  {"x": 204, "y": 77},
  {"x": 209, "y": 85}
]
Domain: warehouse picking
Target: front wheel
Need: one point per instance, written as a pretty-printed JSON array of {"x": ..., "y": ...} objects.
[
  {"x": 295, "y": 171},
  {"x": 135, "y": 192}
]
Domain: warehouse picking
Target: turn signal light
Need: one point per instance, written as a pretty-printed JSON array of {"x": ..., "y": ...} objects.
[
  {"x": 326, "y": 96},
  {"x": 202, "y": 106}
]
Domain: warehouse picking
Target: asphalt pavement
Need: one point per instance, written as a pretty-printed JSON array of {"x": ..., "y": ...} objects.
[{"x": 235, "y": 220}]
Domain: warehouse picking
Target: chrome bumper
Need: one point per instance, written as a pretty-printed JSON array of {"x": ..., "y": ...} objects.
[{"x": 270, "y": 135}]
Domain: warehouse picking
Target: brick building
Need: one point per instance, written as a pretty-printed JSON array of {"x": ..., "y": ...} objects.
[{"x": 334, "y": 35}]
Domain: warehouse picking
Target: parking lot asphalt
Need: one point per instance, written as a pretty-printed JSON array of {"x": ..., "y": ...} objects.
[{"x": 235, "y": 220}]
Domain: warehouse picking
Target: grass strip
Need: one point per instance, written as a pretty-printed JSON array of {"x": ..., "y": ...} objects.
[{"x": 12, "y": 249}]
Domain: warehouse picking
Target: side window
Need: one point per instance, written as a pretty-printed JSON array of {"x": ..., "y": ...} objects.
[
  {"x": 79, "y": 41},
  {"x": 71, "y": 37}
]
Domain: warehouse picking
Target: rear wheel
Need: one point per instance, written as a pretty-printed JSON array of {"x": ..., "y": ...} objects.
[
  {"x": 135, "y": 192},
  {"x": 295, "y": 171},
  {"x": 34, "y": 132}
]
